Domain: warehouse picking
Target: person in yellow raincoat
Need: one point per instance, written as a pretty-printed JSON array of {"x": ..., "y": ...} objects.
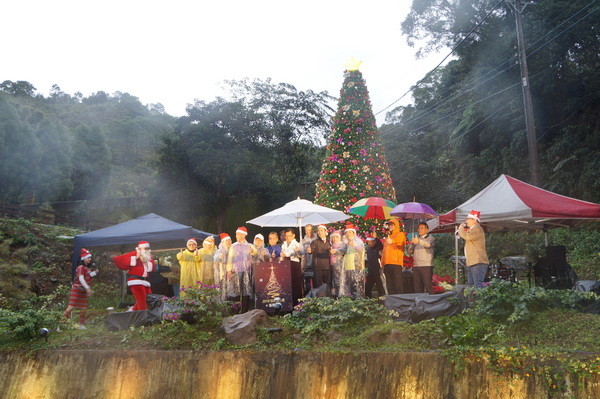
[
  {"x": 189, "y": 259},
  {"x": 207, "y": 254}
]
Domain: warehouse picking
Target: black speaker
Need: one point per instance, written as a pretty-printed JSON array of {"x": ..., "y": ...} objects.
[
  {"x": 553, "y": 271},
  {"x": 557, "y": 259}
]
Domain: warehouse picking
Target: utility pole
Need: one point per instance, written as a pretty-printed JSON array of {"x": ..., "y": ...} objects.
[{"x": 529, "y": 121}]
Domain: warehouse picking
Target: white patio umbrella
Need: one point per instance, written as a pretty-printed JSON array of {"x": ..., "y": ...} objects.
[{"x": 298, "y": 213}]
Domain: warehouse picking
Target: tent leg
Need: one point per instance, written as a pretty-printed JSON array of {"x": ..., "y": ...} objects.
[
  {"x": 456, "y": 253},
  {"x": 123, "y": 286}
]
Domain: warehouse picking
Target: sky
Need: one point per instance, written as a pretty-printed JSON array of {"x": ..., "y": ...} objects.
[{"x": 173, "y": 52}]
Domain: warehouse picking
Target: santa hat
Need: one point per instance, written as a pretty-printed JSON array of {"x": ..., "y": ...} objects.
[
  {"x": 224, "y": 236},
  {"x": 474, "y": 215},
  {"x": 192, "y": 240},
  {"x": 84, "y": 254},
  {"x": 370, "y": 238},
  {"x": 143, "y": 244},
  {"x": 350, "y": 227},
  {"x": 259, "y": 236},
  {"x": 336, "y": 233},
  {"x": 321, "y": 226},
  {"x": 242, "y": 230},
  {"x": 209, "y": 238}
]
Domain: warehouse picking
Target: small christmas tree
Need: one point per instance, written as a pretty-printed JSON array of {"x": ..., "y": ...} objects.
[{"x": 355, "y": 166}]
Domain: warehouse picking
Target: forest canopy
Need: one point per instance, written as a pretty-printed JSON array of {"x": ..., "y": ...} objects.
[{"x": 262, "y": 144}]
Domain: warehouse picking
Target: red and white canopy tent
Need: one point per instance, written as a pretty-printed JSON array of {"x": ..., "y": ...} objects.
[{"x": 510, "y": 204}]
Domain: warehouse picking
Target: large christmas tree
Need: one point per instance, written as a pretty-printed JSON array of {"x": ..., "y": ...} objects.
[{"x": 355, "y": 166}]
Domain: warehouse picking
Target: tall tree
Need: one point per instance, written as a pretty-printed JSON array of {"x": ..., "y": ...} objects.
[
  {"x": 355, "y": 165},
  {"x": 215, "y": 156}
]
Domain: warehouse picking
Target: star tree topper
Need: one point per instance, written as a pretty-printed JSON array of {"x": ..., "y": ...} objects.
[{"x": 353, "y": 64}]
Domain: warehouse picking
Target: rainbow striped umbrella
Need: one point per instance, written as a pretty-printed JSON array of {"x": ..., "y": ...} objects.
[{"x": 372, "y": 208}]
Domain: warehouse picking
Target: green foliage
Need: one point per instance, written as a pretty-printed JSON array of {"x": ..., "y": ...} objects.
[
  {"x": 506, "y": 302},
  {"x": 466, "y": 125},
  {"x": 553, "y": 328},
  {"x": 63, "y": 147},
  {"x": 465, "y": 329},
  {"x": 259, "y": 147},
  {"x": 554, "y": 368},
  {"x": 202, "y": 305},
  {"x": 314, "y": 316},
  {"x": 25, "y": 324},
  {"x": 14, "y": 282}
]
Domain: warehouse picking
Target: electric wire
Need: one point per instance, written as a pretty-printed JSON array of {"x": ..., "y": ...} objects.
[
  {"x": 442, "y": 102},
  {"x": 424, "y": 113},
  {"x": 444, "y": 59}
]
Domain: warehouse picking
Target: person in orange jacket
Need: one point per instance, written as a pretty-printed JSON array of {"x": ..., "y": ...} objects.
[{"x": 392, "y": 256}]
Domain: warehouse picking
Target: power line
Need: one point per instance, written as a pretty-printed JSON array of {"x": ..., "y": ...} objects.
[
  {"x": 477, "y": 102},
  {"x": 444, "y": 59},
  {"x": 437, "y": 105},
  {"x": 493, "y": 113},
  {"x": 465, "y": 91}
]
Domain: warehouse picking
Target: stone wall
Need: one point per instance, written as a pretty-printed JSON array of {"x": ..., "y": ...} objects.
[{"x": 277, "y": 375}]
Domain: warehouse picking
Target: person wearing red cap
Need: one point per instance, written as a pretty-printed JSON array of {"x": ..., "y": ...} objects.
[
  {"x": 239, "y": 270},
  {"x": 220, "y": 264},
  {"x": 138, "y": 264},
  {"x": 189, "y": 260},
  {"x": 353, "y": 264},
  {"x": 475, "y": 252},
  {"x": 207, "y": 258},
  {"x": 81, "y": 290}
]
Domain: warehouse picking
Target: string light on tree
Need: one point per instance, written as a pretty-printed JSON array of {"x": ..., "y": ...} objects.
[{"x": 355, "y": 165}]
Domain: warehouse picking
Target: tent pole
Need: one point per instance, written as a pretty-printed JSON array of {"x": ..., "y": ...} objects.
[
  {"x": 456, "y": 253},
  {"x": 300, "y": 227}
]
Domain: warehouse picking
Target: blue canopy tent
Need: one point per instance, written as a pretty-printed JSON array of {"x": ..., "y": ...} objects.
[{"x": 161, "y": 233}]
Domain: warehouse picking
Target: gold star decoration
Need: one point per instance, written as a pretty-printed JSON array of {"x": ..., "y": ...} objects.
[{"x": 353, "y": 64}]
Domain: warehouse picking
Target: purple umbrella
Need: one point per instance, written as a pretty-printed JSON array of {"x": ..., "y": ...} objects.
[{"x": 413, "y": 210}]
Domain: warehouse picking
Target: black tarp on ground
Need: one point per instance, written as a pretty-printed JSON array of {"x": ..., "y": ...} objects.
[
  {"x": 160, "y": 232},
  {"x": 414, "y": 308},
  {"x": 138, "y": 318}
]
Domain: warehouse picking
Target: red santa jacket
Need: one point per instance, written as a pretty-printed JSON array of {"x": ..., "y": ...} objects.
[{"x": 136, "y": 270}]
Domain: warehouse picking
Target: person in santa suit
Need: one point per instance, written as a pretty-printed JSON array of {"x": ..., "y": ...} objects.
[
  {"x": 81, "y": 290},
  {"x": 138, "y": 264}
]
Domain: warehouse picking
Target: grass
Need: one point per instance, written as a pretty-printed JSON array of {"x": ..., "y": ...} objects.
[{"x": 557, "y": 329}]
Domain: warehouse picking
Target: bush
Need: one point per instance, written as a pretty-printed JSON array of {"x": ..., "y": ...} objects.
[
  {"x": 26, "y": 324},
  {"x": 319, "y": 315},
  {"x": 465, "y": 329},
  {"x": 512, "y": 302},
  {"x": 199, "y": 305}
]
